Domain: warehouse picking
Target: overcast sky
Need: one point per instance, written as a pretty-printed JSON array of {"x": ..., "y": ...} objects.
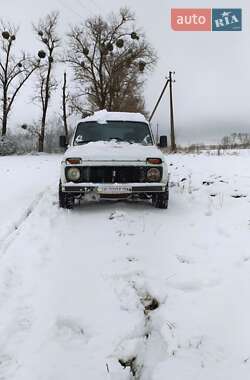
[{"x": 212, "y": 89}]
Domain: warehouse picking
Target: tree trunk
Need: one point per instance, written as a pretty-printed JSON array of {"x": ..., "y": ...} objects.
[
  {"x": 45, "y": 109},
  {"x": 4, "y": 125},
  {"x": 41, "y": 136},
  {"x": 65, "y": 108},
  {"x": 5, "y": 115}
]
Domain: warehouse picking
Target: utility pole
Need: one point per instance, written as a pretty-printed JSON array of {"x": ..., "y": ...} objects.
[
  {"x": 169, "y": 82},
  {"x": 172, "y": 134}
]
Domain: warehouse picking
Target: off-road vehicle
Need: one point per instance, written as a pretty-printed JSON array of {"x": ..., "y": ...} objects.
[{"x": 113, "y": 155}]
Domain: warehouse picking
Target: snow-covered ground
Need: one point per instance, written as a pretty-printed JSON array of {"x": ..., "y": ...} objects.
[{"x": 121, "y": 290}]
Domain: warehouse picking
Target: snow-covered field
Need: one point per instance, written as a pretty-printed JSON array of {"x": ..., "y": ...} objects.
[{"x": 121, "y": 290}]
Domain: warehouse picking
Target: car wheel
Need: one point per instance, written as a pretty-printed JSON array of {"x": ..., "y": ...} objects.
[
  {"x": 65, "y": 200},
  {"x": 160, "y": 200}
]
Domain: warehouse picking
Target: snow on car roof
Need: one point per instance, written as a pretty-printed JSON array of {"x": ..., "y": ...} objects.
[{"x": 103, "y": 116}]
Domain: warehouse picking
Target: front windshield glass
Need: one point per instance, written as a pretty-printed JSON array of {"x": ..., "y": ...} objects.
[{"x": 131, "y": 132}]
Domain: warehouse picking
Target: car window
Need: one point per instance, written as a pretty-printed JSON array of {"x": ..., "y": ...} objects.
[{"x": 123, "y": 131}]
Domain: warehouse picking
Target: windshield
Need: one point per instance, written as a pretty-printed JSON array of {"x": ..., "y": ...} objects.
[{"x": 128, "y": 131}]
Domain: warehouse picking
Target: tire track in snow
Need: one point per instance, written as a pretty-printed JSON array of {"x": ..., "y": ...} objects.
[
  {"x": 139, "y": 352},
  {"x": 14, "y": 301},
  {"x": 151, "y": 347},
  {"x": 13, "y": 231}
]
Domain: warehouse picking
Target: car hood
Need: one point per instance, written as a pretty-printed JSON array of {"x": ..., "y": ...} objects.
[{"x": 113, "y": 151}]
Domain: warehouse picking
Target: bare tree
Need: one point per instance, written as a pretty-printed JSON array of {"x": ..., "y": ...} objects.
[
  {"x": 236, "y": 140},
  {"x": 14, "y": 71},
  {"x": 109, "y": 58},
  {"x": 46, "y": 31},
  {"x": 225, "y": 142}
]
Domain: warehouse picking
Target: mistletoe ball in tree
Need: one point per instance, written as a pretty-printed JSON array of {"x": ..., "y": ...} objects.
[
  {"x": 142, "y": 65},
  {"x": 134, "y": 36},
  {"x": 6, "y": 35},
  {"x": 120, "y": 43},
  {"x": 41, "y": 54}
]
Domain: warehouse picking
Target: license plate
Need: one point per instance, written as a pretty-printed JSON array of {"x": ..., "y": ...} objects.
[{"x": 114, "y": 189}]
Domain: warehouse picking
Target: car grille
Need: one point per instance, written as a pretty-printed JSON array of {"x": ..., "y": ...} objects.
[{"x": 113, "y": 174}]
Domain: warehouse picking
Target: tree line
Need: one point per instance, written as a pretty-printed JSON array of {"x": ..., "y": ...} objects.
[
  {"x": 236, "y": 140},
  {"x": 108, "y": 58}
]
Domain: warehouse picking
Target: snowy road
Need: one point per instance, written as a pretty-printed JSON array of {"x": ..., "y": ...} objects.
[{"x": 122, "y": 290}]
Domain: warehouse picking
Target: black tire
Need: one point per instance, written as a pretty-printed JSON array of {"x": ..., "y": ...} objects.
[
  {"x": 65, "y": 200},
  {"x": 160, "y": 200}
]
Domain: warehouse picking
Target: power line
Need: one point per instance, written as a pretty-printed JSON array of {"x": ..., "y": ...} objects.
[
  {"x": 98, "y": 6},
  {"x": 66, "y": 6},
  {"x": 84, "y": 7},
  {"x": 69, "y": 8},
  {"x": 159, "y": 99}
]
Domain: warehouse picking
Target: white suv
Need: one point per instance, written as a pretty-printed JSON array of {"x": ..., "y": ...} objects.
[{"x": 113, "y": 155}]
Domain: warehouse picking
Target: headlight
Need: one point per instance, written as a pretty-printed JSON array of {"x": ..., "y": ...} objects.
[
  {"x": 153, "y": 175},
  {"x": 73, "y": 174}
]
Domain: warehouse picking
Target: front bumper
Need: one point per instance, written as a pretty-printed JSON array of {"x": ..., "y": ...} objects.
[{"x": 114, "y": 188}]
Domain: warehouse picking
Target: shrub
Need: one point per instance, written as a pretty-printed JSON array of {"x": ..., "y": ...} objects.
[{"x": 7, "y": 146}]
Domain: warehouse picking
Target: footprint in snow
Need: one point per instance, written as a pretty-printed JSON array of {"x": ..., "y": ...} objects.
[
  {"x": 24, "y": 318},
  {"x": 221, "y": 231},
  {"x": 190, "y": 286},
  {"x": 121, "y": 233},
  {"x": 237, "y": 196},
  {"x": 132, "y": 259},
  {"x": 209, "y": 212},
  {"x": 246, "y": 259},
  {"x": 207, "y": 183},
  {"x": 6, "y": 364},
  {"x": 173, "y": 184},
  {"x": 67, "y": 329},
  {"x": 184, "y": 259},
  {"x": 116, "y": 215}
]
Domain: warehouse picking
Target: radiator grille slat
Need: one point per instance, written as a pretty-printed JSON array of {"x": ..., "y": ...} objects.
[{"x": 113, "y": 174}]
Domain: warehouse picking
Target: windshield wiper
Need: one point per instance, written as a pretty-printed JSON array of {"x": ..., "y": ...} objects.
[{"x": 83, "y": 142}]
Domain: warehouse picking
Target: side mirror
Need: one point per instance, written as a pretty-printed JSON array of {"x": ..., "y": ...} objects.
[
  {"x": 63, "y": 142},
  {"x": 163, "y": 142}
]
